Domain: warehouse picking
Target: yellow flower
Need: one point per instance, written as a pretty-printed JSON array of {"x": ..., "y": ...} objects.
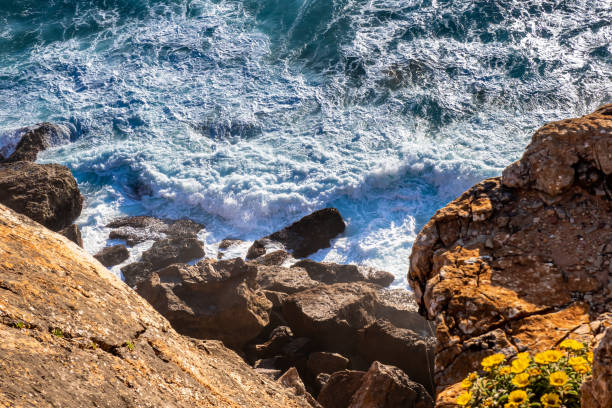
[
  {"x": 519, "y": 365},
  {"x": 504, "y": 370},
  {"x": 472, "y": 377},
  {"x": 523, "y": 356},
  {"x": 576, "y": 361},
  {"x": 510, "y": 405},
  {"x": 487, "y": 403},
  {"x": 521, "y": 380},
  {"x": 571, "y": 344},
  {"x": 466, "y": 383},
  {"x": 590, "y": 357},
  {"x": 493, "y": 360},
  {"x": 517, "y": 397},
  {"x": 535, "y": 371},
  {"x": 582, "y": 368},
  {"x": 558, "y": 378},
  {"x": 553, "y": 355},
  {"x": 550, "y": 400},
  {"x": 541, "y": 358},
  {"x": 464, "y": 398}
]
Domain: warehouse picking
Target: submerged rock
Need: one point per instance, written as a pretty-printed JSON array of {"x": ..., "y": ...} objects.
[
  {"x": 306, "y": 236},
  {"x": 47, "y": 193},
  {"x": 113, "y": 255},
  {"x": 521, "y": 262},
  {"x": 210, "y": 300},
  {"x": 73, "y": 335}
]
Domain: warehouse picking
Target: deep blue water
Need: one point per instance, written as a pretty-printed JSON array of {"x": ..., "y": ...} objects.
[{"x": 246, "y": 115}]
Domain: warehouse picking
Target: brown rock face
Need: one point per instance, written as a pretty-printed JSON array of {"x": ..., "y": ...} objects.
[
  {"x": 73, "y": 233},
  {"x": 286, "y": 280},
  {"x": 210, "y": 300},
  {"x": 73, "y": 335},
  {"x": 385, "y": 386},
  {"x": 597, "y": 391},
  {"x": 328, "y": 272},
  {"x": 306, "y": 236},
  {"x": 522, "y": 261},
  {"x": 339, "y": 388},
  {"x": 113, "y": 255},
  {"x": 35, "y": 139},
  {"x": 47, "y": 193}
]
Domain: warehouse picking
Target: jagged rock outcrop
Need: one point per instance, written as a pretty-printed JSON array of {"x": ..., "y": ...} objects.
[
  {"x": 523, "y": 261},
  {"x": 73, "y": 233},
  {"x": 382, "y": 386},
  {"x": 329, "y": 272},
  {"x": 47, "y": 193},
  {"x": 303, "y": 237},
  {"x": 112, "y": 255},
  {"x": 73, "y": 335},
  {"x": 29, "y": 141},
  {"x": 210, "y": 300}
]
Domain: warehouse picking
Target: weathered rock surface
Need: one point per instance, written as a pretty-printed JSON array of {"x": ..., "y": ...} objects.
[
  {"x": 134, "y": 230},
  {"x": 328, "y": 272},
  {"x": 286, "y": 280},
  {"x": 403, "y": 348},
  {"x": 112, "y": 255},
  {"x": 47, "y": 193},
  {"x": 73, "y": 335},
  {"x": 385, "y": 386},
  {"x": 325, "y": 362},
  {"x": 210, "y": 300},
  {"x": 522, "y": 261},
  {"x": 34, "y": 139},
  {"x": 73, "y": 233},
  {"x": 173, "y": 250},
  {"x": 339, "y": 388},
  {"x": 273, "y": 258},
  {"x": 597, "y": 391},
  {"x": 306, "y": 236},
  {"x": 291, "y": 379}
]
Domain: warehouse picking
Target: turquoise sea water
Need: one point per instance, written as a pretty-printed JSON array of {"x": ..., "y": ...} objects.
[{"x": 247, "y": 115}]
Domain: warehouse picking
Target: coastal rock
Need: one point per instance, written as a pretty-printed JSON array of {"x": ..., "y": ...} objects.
[
  {"x": 34, "y": 139},
  {"x": 136, "y": 229},
  {"x": 332, "y": 314},
  {"x": 597, "y": 390},
  {"x": 173, "y": 250},
  {"x": 291, "y": 379},
  {"x": 325, "y": 362},
  {"x": 73, "y": 233},
  {"x": 210, "y": 300},
  {"x": 280, "y": 337},
  {"x": 403, "y": 348},
  {"x": 328, "y": 272},
  {"x": 113, "y": 255},
  {"x": 73, "y": 335},
  {"x": 306, "y": 236},
  {"x": 339, "y": 389},
  {"x": 385, "y": 386},
  {"x": 275, "y": 258},
  {"x": 47, "y": 193},
  {"x": 136, "y": 272},
  {"x": 521, "y": 262},
  {"x": 286, "y": 280}
]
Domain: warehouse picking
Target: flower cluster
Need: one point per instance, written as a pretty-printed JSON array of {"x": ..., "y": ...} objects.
[{"x": 550, "y": 379}]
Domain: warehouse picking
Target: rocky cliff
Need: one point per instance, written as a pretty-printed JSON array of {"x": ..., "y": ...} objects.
[
  {"x": 523, "y": 261},
  {"x": 73, "y": 335}
]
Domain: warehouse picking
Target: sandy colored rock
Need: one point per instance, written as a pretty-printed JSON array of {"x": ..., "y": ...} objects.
[
  {"x": 523, "y": 261},
  {"x": 73, "y": 335},
  {"x": 596, "y": 391}
]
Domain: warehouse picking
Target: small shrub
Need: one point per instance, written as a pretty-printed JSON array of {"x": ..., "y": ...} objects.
[
  {"x": 57, "y": 332},
  {"x": 129, "y": 345},
  {"x": 550, "y": 379},
  {"x": 19, "y": 325}
]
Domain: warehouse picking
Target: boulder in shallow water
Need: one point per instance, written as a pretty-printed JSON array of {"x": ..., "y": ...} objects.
[
  {"x": 47, "y": 193},
  {"x": 210, "y": 300},
  {"x": 306, "y": 236},
  {"x": 32, "y": 140},
  {"x": 112, "y": 255},
  {"x": 173, "y": 250}
]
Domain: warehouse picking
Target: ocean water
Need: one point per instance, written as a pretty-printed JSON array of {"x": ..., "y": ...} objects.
[{"x": 246, "y": 115}]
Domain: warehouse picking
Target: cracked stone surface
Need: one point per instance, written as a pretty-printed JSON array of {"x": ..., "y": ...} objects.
[
  {"x": 73, "y": 335},
  {"x": 523, "y": 261}
]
